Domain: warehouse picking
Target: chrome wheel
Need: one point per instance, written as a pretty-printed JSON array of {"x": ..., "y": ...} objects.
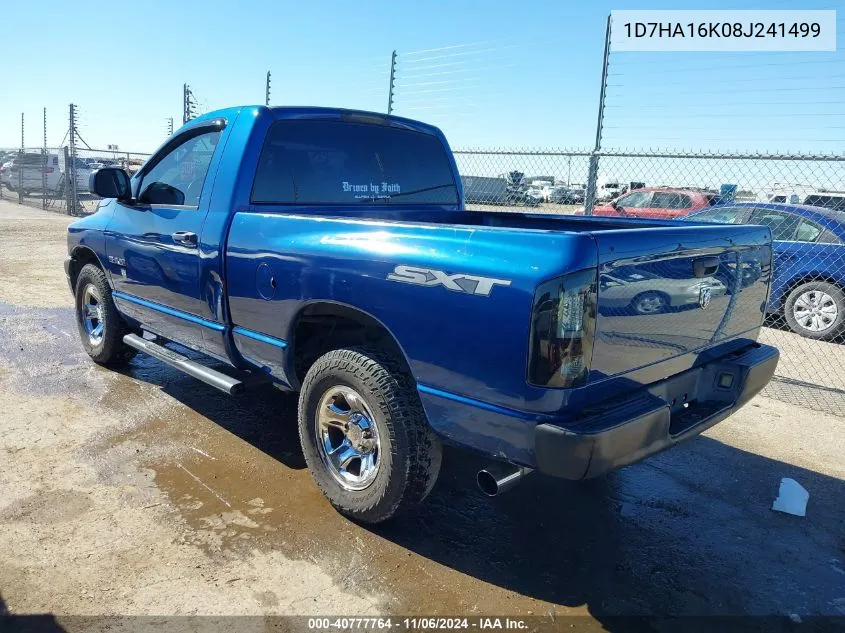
[
  {"x": 92, "y": 314},
  {"x": 347, "y": 438},
  {"x": 815, "y": 310}
]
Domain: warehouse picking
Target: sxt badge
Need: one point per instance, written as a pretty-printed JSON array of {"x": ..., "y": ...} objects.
[{"x": 457, "y": 282}]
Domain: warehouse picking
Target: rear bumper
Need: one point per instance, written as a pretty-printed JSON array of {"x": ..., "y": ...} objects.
[{"x": 622, "y": 432}]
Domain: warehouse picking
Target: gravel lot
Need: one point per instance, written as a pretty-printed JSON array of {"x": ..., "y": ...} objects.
[{"x": 145, "y": 492}]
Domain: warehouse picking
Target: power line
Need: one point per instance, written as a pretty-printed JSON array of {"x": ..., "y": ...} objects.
[
  {"x": 685, "y": 106},
  {"x": 710, "y": 129},
  {"x": 731, "y": 83},
  {"x": 455, "y": 72},
  {"x": 444, "y": 48},
  {"x": 732, "y": 66},
  {"x": 712, "y": 92},
  {"x": 486, "y": 50},
  {"x": 445, "y": 81}
]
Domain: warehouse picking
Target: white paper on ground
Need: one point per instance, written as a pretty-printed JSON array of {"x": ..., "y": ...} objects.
[{"x": 792, "y": 498}]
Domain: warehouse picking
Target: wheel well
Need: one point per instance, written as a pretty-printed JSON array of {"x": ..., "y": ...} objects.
[
  {"x": 79, "y": 258},
  {"x": 322, "y": 327}
]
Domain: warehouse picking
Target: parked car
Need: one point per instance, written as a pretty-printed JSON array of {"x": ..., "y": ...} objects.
[
  {"x": 329, "y": 252},
  {"x": 834, "y": 201},
  {"x": 32, "y": 171},
  {"x": 808, "y": 286},
  {"x": 657, "y": 203},
  {"x": 6, "y": 173},
  {"x": 565, "y": 195},
  {"x": 534, "y": 196},
  {"x": 632, "y": 288},
  {"x": 798, "y": 194}
]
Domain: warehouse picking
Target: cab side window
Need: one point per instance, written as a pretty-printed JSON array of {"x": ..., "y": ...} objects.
[{"x": 177, "y": 179}]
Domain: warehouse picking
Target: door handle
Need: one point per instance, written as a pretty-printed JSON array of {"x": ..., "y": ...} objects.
[
  {"x": 186, "y": 238},
  {"x": 704, "y": 266}
]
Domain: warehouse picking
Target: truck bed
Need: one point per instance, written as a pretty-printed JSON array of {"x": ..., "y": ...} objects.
[{"x": 649, "y": 321}]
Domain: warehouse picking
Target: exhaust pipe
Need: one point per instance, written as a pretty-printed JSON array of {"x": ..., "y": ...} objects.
[{"x": 500, "y": 477}]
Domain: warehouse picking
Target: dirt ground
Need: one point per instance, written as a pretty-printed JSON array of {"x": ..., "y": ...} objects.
[{"x": 145, "y": 492}]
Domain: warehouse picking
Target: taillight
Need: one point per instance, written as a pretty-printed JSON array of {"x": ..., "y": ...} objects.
[
  {"x": 48, "y": 170},
  {"x": 562, "y": 329}
]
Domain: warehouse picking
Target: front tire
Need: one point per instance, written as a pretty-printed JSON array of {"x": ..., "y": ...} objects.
[
  {"x": 365, "y": 435},
  {"x": 816, "y": 310},
  {"x": 100, "y": 326}
]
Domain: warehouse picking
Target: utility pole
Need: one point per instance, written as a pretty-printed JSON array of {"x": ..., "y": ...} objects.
[
  {"x": 22, "y": 143},
  {"x": 392, "y": 84},
  {"x": 592, "y": 177},
  {"x": 169, "y": 126},
  {"x": 267, "y": 90}
]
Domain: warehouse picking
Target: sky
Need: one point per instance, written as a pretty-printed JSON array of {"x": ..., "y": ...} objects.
[{"x": 489, "y": 73}]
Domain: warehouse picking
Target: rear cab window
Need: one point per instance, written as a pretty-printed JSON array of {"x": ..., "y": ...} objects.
[{"x": 327, "y": 162}]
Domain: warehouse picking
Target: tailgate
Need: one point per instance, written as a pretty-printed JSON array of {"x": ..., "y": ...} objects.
[{"x": 663, "y": 292}]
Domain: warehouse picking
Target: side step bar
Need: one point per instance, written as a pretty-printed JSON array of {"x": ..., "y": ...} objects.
[{"x": 209, "y": 376}]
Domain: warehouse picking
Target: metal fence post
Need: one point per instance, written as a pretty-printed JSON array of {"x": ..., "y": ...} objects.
[
  {"x": 44, "y": 164},
  {"x": 68, "y": 200},
  {"x": 392, "y": 84},
  {"x": 592, "y": 177},
  {"x": 20, "y": 166},
  {"x": 70, "y": 166}
]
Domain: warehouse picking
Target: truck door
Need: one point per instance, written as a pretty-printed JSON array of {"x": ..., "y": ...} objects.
[{"x": 153, "y": 246}]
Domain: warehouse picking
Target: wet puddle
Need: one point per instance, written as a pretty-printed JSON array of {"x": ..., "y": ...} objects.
[{"x": 657, "y": 537}]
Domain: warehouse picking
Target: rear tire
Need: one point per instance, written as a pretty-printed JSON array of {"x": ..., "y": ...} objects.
[
  {"x": 363, "y": 402},
  {"x": 101, "y": 327},
  {"x": 816, "y": 310}
]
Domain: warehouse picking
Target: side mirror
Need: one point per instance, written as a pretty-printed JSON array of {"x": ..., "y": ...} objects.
[{"x": 110, "y": 182}]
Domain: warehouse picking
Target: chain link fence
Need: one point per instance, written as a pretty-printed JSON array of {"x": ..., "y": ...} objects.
[
  {"x": 800, "y": 196},
  {"x": 56, "y": 178},
  {"x": 807, "y": 308}
]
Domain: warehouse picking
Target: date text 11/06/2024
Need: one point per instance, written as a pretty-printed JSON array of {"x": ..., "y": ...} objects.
[{"x": 416, "y": 623}]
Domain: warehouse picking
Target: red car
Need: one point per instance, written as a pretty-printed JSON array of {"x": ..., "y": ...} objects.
[{"x": 656, "y": 202}]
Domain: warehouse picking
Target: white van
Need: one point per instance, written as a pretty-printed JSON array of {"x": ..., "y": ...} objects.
[
  {"x": 30, "y": 171},
  {"x": 827, "y": 199},
  {"x": 607, "y": 188}
]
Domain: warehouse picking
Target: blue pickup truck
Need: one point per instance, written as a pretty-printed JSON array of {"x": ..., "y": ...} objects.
[{"x": 329, "y": 252}]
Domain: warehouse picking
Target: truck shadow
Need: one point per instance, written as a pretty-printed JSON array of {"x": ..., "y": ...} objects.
[
  {"x": 688, "y": 532},
  {"x": 41, "y": 622},
  {"x": 264, "y": 416}
]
